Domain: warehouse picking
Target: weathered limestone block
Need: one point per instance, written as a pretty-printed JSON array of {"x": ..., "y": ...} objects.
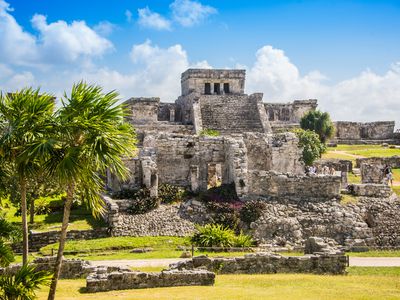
[
  {"x": 372, "y": 190},
  {"x": 104, "y": 281},
  {"x": 268, "y": 263}
]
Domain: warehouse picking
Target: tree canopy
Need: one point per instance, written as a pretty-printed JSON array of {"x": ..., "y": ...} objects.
[
  {"x": 311, "y": 144},
  {"x": 320, "y": 123}
]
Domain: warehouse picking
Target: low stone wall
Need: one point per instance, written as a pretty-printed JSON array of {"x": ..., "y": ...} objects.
[
  {"x": 372, "y": 173},
  {"x": 70, "y": 269},
  {"x": 392, "y": 161},
  {"x": 371, "y": 190},
  {"x": 276, "y": 185},
  {"x": 268, "y": 263},
  {"x": 103, "y": 281},
  {"x": 38, "y": 240}
]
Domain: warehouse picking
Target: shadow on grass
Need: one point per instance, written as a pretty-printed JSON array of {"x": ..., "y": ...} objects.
[{"x": 82, "y": 290}]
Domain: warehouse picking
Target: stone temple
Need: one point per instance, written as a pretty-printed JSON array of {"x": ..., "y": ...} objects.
[{"x": 254, "y": 151}]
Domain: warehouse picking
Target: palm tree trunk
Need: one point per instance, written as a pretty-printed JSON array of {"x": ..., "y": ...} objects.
[
  {"x": 25, "y": 247},
  {"x": 32, "y": 212},
  {"x": 63, "y": 237}
]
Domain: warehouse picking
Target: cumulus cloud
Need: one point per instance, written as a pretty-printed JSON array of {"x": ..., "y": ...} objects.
[
  {"x": 366, "y": 97},
  {"x": 189, "y": 13},
  {"x": 104, "y": 28},
  {"x": 153, "y": 20},
  {"x": 57, "y": 42},
  {"x": 60, "y": 41}
]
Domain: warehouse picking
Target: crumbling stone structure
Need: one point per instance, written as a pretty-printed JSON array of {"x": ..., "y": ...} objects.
[
  {"x": 368, "y": 133},
  {"x": 268, "y": 263},
  {"x": 102, "y": 281},
  {"x": 173, "y": 149}
]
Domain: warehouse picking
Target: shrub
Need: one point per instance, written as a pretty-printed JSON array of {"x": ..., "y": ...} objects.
[
  {"x": 320, "y": 123},
  {"x": 125, "y": 193},
  {"x": 251, "y": 211},
  {"x": 243, "y": 241},
  {"x": 223, "y": 214},
  {"x": 213, "y": 235},
  {"x": 23, "y": 284},
  {"x": 209, "y": 132},
  {"x": 312, "y": 146},
  {"x": 224, "y": 193},
  {"x": 168, "y": 193},
  {"x": 142, "y": 202}
]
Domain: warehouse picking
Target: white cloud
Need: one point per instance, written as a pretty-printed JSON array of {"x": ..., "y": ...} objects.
[
  {"x": 128, "y": 15},
  {"x": 104, "y": 28},
  {"x": 64, "y": 42},
  {"x": 189, "y": 13},
  {"x": 153, "y": 20},
  {"x": 366, "y": 97},
  {"x": 57, "y": 42}
]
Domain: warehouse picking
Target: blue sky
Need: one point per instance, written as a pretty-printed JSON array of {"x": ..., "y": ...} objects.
[{"x": 345, "y": 53}]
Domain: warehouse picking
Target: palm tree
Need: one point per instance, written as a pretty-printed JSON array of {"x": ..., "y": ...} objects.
[
  {"x": 24, "y": 119},
  {"x": 320, "y": 122},
  {"x": 92, "y": 137},
  {"x": 23, "y": 284}
]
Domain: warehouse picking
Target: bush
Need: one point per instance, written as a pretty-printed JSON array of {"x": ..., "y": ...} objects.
[
  {"x": 224, "y": 193},
  {"x": 243, "y": 241},
  {"x": 223, "y": 214},
  {"x": 209, "y": 132},
  {"x": 142, "y": 202},
  {"x": 168, "y": 193},
  {"x": 251, "y": 211},
  {"x": 216, "y": 235},
  {"x": 320, "y": 123},
  {"x": 311, "y": 144},
  {"x": 213, "y": 235},
  {"x": 124, "y": 193}
]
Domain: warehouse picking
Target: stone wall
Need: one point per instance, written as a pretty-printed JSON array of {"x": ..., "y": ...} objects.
[
  {"x": 268, "y": 263},
  {"x": 70, "y": 268},
  {"x": 291, "y": 112},
  {"x": 38, "y": 240},
  {"x": 165, "y": 220},
  {"x": 348, "y": 132},
  {"x": 372, "y": 173},
  {"x": 194, "y": 80},
  {"x": 368, "y": 221},
  {"x": 392, "y": 161},
  {"x": 276, "y": 185},
  {"x": 143, "y": 110},
  {"x": 371, "y": 190},
  {"x": 102, "y": 280},
  {"x": 233, "y": 113},
  {"x": 277, "y": 152}
]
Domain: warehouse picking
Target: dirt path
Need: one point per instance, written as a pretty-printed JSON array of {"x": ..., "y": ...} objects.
[{"x": 137, "y": 263}]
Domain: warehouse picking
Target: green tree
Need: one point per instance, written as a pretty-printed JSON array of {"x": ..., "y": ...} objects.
[
  {"x": 91, "y": 137},
  {"x": 310, "y": 143},
  {"x": 8, "y": 233},
  {"x": 319, "y": 122},
  {"x": 24, "y": 118}
]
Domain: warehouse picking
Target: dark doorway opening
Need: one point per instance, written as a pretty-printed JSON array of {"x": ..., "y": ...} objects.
[
  {"x": 226, "y": 88},
  {"x": 217, "y": 88},
  {"x": 207, "y": 88}
]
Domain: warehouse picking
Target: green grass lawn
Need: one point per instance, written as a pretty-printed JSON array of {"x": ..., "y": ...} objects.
[
  {"x": 80, "y": 219},
  {"x": 362, "y": 150},
  {"x": 361, "y": 283}
]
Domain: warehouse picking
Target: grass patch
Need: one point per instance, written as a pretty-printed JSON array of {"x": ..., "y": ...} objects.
[
  {"x": 375, "y": 253},
  {"x": 396, "y": 189},
  {"x": 273, "y": 286},
  {"x": 80, "y": 219},
  {"x": 353, "y": 178},
  {"x": 348, "y": 199},
  {"x": 379, "y": 271},
  {"x": 120, "y": 243},
  {"x": 332, "y": 154}
]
